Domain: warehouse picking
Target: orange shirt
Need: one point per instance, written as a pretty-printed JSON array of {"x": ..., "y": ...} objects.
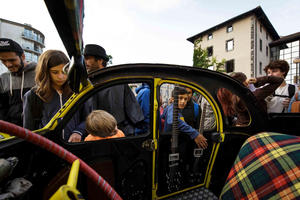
[{"x": 91, "y": 137}]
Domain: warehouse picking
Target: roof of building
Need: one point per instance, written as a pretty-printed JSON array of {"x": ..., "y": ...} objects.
[
  {"x": 258, "y": 11},
  {"x": 286, "y": 39},
  {"x": 23, "y": 25}
]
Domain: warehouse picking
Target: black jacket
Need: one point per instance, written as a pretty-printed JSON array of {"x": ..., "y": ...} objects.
[
  {"x": 12, "y": 89},
  {"x": 120, "y": 101},
  {"x": 38, "y": 113}
]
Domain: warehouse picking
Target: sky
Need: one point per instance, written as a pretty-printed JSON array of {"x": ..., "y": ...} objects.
[{"x": 150, "y": 31}]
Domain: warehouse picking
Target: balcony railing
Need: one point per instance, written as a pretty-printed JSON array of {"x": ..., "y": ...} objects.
[
  {"x": 33, "y": 38},
  {"x": 35, "y": 50}
]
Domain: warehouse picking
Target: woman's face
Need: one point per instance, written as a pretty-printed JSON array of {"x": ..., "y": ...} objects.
[{"x": 58, "y": 77}]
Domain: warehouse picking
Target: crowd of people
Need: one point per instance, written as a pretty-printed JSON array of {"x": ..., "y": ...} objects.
[
  {"x": 272, "y": 93},
  {"x": 31, "y": 94}
]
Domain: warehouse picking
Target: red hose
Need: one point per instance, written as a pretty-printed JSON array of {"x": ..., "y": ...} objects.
[{"x": 43, "y": 142}]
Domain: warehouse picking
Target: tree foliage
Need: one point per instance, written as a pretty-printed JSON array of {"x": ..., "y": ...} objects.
[
  {"x": 201, "y": 59},
  {"x": 110, "y": 60}
]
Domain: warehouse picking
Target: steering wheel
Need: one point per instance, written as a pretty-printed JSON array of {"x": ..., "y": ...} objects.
[{"x": 61, "y": 152}]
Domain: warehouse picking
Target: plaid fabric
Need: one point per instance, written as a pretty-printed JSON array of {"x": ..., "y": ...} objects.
[{"x": 267, "y": 167}]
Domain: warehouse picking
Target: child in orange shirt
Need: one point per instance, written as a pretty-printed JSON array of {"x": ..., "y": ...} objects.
[{"x": 101, "y": 125}]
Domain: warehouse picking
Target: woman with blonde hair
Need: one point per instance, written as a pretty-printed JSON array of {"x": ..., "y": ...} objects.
[{"x": 51, "y": 91}]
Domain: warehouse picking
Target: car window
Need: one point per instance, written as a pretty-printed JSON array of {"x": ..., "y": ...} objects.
[
  {"x": 125, "y": 106},
  {"x": 193, "y": 109}
]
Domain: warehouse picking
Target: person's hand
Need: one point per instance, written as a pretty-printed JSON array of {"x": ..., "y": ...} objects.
[
  {"x": 75, "y": 137},
  {"x": 286, "y": 102},
  {"x": 201, "y": 141},
  {"x": 251, "y": 81}
]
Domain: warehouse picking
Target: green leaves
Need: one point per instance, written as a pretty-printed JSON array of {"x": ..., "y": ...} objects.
[{"x": 201, "y": 59}]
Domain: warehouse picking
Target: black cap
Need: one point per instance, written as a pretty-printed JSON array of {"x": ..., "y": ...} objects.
[
  {"x": 95, "y": 50},
  {"x": 8, "y": 45}
]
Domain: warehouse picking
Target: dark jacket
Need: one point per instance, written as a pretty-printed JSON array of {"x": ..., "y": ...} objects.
[
  {"x": 266, "y": 86},
  {"x": 191, "y": 114},
  {"x": 143, "y": 98},
  {"x": 35, "y": 120},
  {"x": 183, "y": 127},
  {"x": 12, "y": 89},
  {"x": 120, "y": 101}
]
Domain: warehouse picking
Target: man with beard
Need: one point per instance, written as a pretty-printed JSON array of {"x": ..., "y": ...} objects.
[
  {"x": 117, "y": 100},
  {"x": 14, "y": 83}
]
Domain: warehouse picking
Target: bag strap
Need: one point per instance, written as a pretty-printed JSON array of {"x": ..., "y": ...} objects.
[{"x": 291, "y": 89}]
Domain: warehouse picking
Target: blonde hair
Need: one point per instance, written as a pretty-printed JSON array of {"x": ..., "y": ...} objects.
[
  {"x": 48, "y": 59},
  {"x": 101, "y": 123}
]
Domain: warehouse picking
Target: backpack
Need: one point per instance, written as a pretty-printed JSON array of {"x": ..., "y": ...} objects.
[
  {"x": 296, "y": 105},
  {"x": 291, "y": 90}
]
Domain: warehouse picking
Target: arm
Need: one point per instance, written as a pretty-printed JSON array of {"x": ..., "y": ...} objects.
[
  {"x": 80, "y": 132},
  {"x": 3, "y": 106},
  {"x": 273, "y": 83},
  {"x": 199, "y": 139},
  {"x": 132, "y": 107},
  {"x": 28, "y": 119}
]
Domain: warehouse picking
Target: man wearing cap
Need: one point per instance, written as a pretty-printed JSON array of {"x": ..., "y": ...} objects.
[
  {"x": 118, "y": 100},
  {"x": 14, "y": 83}
]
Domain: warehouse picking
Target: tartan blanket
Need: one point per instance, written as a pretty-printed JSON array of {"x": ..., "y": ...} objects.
[{"x": 267, "y": 167}]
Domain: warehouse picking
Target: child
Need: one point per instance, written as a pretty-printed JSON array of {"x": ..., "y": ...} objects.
[
  {"x": 50, "y": 93},
  {"x": 183, "y": 127},
  {"x": 102, "y": 125}
]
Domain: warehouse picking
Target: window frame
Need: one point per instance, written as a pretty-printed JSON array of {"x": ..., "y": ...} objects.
[
  {"x": 232, "y": 62},
  {"x": 210, "y": 53},
  {"x": 209, "y": 36},
  {"x": 229, "y": 28},
  {"x": 226, "y": 45},
  {"x": 260, "y": 45}
]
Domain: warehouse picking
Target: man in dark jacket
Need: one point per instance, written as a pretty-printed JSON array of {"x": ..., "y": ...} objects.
[
  {"x": 14, "y": 83},
  {"x": 118, "y": 100}
]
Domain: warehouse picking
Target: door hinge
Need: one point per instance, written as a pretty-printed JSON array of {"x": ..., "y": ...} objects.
[{"x": 150, "y": 145}]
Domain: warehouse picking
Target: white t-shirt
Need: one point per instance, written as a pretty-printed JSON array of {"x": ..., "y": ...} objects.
[{"x": 274, "y": 103}]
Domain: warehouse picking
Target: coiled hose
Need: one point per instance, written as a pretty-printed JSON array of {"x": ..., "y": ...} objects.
[{"x": 61, "y": 152}]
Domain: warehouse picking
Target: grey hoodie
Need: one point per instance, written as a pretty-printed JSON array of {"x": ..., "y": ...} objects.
[{"x": 12, "y": 89}]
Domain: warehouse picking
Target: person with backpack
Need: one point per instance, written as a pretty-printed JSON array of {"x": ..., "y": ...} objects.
[
  {"x": 183, "y": 127},
  {"x": 43, "y": 101},
  {"x": 279, "y": 101},
  {"x": 265, "y": 86},
  {"x": 15, "y": 82}
]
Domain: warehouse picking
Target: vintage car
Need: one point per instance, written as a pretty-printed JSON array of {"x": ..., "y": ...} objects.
[{"x": 138, "y": 166}]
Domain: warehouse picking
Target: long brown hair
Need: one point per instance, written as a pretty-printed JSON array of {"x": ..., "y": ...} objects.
[
  {"x": 48, "y": 59},
  {"x": 225, "y": 97}
]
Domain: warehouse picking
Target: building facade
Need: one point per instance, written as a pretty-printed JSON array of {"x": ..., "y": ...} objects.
[
  {"x": 30, "y": 39},
  {"x": 288, "y": 48},
  {"x": 242, "y": 41}
]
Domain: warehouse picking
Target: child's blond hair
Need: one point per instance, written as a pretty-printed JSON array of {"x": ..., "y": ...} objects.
[{"x": 101, "y": 123}]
